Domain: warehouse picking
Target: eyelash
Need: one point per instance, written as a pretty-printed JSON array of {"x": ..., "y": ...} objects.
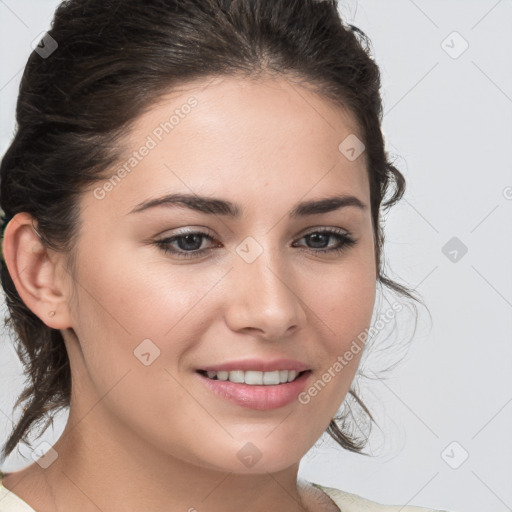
[{"x": 344, "y": 238}]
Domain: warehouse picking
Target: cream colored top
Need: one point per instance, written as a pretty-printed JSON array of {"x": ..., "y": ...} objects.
[{"x": 347, "y": 502}]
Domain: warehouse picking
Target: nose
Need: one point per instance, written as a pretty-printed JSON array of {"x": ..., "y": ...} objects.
[{"x": 264, "y": 299}]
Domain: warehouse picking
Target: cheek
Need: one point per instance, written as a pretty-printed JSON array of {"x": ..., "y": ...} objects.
[
  {"x": 134, "y": 313},
  {"x": 138, "y": 297},
  {"x": 133, "y": 330},
  {"x": 341, "y": 304},
  {"x": 343, "y": 299}
]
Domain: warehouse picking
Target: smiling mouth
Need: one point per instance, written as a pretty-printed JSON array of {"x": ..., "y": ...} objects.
[{"x": 254, "y": 378}]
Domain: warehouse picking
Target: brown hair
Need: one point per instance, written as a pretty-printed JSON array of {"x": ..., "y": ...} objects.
[{"x": 113, "y": 61}]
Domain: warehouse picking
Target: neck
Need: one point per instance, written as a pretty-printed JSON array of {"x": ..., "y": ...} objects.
[{"x": 120, "y": 472}]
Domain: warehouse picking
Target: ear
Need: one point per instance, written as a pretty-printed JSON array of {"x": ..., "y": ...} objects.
[{"x": 38, "y": 273}]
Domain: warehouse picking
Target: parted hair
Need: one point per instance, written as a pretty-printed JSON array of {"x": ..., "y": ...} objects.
[{"x": 114, "y": 60}]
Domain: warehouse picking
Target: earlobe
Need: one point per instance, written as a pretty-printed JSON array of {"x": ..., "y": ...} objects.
[{"x": 34, "y": 271}]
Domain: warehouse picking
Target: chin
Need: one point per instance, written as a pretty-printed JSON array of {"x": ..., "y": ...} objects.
[{"x": 250, "y": 460}]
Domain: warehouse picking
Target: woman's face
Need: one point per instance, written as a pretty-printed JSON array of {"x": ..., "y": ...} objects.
[{"x": 254, "y": 290}]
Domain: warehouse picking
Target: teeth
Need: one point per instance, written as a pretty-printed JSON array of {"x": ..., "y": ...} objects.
[{"x": 255, "y": 378}]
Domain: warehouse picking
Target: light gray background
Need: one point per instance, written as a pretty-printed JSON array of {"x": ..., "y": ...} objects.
[{"x": 448, "y": 124}]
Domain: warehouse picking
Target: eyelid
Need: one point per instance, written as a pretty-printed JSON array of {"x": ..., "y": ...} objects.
[
  {"x": 206, "y": 231},
  {"x": 345, "y": 242},
  {"x": 336, "y": 229},
  {"x": 185, "y": 231}
]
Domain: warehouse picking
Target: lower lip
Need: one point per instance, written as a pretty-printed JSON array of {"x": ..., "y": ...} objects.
[{"x": 260, "y": 397}]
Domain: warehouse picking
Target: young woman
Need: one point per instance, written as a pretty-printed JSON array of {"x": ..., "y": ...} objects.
[{"x": 191, "y": 252}]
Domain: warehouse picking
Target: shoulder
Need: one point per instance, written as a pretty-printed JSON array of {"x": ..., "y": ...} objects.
[
  {"x": 349, "y": 502},
  {"x": 10, "y": 502}
]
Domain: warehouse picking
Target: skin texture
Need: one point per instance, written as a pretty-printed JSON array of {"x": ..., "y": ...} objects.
[{"x": 155, "y": 437}]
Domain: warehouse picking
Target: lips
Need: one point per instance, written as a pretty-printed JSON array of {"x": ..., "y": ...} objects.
[
  {"x": 269, "y": 394},
  {"x": 258, "y": 397},
  {"x": 259, "y": 365}
]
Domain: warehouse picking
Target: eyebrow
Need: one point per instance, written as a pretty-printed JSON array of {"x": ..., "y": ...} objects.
[{"x": 215, "y": 206}]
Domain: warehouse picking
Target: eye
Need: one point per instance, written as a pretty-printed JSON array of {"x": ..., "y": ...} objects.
[
  {"x": 320, "y": 237},
  {"x": 189, "y": 243}
]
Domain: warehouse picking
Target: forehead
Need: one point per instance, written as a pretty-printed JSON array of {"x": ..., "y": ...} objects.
[{"x": 241, "y": 137}]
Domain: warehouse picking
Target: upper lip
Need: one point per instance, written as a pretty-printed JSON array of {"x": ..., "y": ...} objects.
[{"x": 260, "y": 365}]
